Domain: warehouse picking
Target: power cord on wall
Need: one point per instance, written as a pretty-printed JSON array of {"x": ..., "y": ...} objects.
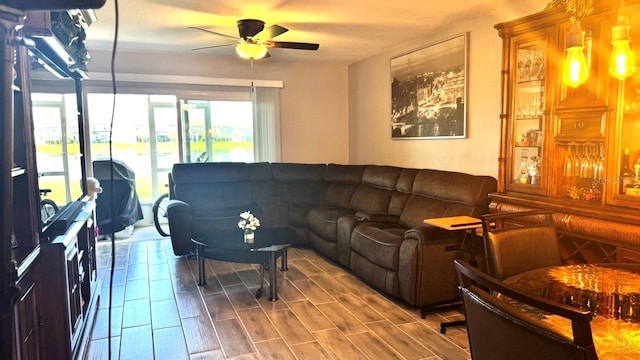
[{"x": 111, "y": 200}]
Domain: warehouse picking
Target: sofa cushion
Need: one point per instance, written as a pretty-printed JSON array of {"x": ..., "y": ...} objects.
[
  {"x": 379, "y": 243},
  {"x": 323, "y": 221},
  {"x": 213, "y": 189},
  {"x": 376, "y": 191},
  {"x": 299, "y": 184},
  {"x": 454, "y": 186},
  {"x": 263, "y": 188},
  {"x": 445, "y": 193},
  {"x": 342, "y": 180},
  {"x": 302, "y": 188},
  {"x": 346, "y": 174},
  {"x": 383, "y": 177}
]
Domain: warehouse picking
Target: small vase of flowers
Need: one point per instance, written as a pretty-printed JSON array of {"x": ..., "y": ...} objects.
[{"x": 248, "y": 223}]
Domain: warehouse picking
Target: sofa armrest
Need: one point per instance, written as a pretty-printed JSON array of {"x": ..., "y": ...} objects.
[
  {"x": 429, "y": 232},
  {"x": 180, "y": 217},
  {"x": 426, "y": 265},
  {"x": 365, "y": 216}
]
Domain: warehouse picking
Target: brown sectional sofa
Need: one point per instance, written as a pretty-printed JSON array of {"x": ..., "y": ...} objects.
[{"x": 367, "y": 218}]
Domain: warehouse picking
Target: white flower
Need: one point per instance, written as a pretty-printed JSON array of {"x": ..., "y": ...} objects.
[{"x": 248, "y": 221}]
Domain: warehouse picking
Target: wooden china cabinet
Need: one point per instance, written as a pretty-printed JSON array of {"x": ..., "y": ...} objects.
[{"x": 562, "y": 148}]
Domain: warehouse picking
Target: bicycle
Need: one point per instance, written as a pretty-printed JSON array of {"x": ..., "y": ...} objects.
[
  {"x": 159, "y": 210},
  {"x": 48, "y": 207},
  {"x": 160, "y": 219}
]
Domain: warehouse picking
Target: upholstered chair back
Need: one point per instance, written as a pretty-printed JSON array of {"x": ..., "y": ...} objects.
[{"x": 518, "y": 242}]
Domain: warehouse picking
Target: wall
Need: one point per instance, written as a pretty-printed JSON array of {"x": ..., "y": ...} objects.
[
  {"x": 370, "y": 105},
  {"x": 333, "y": 112},
  {"x": 314, "y": 100}
]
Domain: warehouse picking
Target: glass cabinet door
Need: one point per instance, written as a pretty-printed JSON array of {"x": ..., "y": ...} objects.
[
  {"x": 625, "y": 189},
  {"x": 528, "y": 113}
]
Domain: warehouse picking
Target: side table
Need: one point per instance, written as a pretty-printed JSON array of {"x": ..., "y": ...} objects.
[{"x": 469, "y": 225}]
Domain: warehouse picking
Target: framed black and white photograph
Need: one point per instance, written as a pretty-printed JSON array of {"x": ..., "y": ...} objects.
[{"x": 429, "y": 91}]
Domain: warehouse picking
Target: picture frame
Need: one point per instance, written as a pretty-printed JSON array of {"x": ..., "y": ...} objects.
[{"x": 429, "y": 91}]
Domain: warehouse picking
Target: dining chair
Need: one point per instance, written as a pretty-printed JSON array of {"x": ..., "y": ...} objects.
[
  {"x": 518, "y": 242},
  {"x": 511, "y": 328}
]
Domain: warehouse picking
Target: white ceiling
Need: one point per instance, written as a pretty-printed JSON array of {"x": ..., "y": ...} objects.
[{"x": 347, "y": 30}]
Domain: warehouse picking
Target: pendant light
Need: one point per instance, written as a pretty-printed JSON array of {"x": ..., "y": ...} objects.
[
  {"x": 575, "y": 69},
  {"x": 622, "y": 60}
]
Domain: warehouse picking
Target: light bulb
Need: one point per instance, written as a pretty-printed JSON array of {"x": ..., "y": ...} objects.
[
  {"x": 622, "y": 58},
  {"x": 250, "y": 50},
  {"x": 575, "y": 70}
]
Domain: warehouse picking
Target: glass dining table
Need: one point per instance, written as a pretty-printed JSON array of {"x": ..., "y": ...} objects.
[{"x": 610, "y": 291}]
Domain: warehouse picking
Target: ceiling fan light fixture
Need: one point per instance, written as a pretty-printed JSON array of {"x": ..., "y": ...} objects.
[{"x": 249, "y": 50}]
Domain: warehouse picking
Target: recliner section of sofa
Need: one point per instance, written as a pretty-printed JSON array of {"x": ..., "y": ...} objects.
[
  {"x": 370, "y": 194},
  {"x": 367, "y": 218},
  {"x": 342, "y": 183},
  {"x": 413, "y": 261}
]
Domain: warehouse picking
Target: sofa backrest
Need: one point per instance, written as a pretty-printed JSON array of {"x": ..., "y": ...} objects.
[
  {"x": 213, "y": 187},
  {"x": 342, "y": 181},
  {"x": 404, "y": 187},
  {"x": 299, "y": 184},
  {"x": 437, "y": 193},
  {"x": 263, "y": 189},
  {"x": 376, "y": 191}
]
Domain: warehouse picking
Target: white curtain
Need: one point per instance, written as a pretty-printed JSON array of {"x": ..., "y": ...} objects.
[{"x": 266, "y": 124}]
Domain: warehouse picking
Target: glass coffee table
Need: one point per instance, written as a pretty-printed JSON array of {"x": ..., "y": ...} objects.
[{"x": 269, "y": 245}]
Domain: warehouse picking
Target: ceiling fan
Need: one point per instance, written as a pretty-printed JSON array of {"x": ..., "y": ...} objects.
[{"x": 255, "y": 39}]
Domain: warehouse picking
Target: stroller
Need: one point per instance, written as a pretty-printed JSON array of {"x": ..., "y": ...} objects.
[{"x": 126, "y": 209}]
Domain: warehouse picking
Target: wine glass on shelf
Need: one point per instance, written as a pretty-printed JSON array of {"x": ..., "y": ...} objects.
[
  {"x": 528, "y": 65},
  {"x": 598, "y": 166},
  {"x": 521, "y": 64},
  {"x": 576, "y": 162},
  {"x": 538, "y": 64},
  {"x": 567, "y": 168},
  {"x": 586, "y": 168}
]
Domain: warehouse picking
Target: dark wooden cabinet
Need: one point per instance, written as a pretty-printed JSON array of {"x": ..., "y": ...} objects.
[
  {"x": 68, "y": 287},
  {"x": 27, "y": 320},
  {"x": 561, "y": 147},
  {"x": 48, "y": 284},
  {"x": 19, "y": 218}
]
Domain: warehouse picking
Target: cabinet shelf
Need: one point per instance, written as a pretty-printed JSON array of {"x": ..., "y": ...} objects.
[
  {"x": 531, "y": 82},
  {"x": 532, "y": 117}
]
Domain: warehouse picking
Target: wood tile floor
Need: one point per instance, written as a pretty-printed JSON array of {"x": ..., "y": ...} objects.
[{"x": 324, "y": 312}]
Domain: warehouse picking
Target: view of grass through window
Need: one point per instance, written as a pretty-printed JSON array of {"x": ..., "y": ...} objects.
[{"x": 145, "y": 137}]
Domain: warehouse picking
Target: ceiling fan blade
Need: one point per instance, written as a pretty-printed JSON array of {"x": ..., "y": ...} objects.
[
  {"x": 292, "y": 45},
  {"x": 213, "y": 32},
  {"x": 269, "y": 33},
  {"x": 211, "y": 47}
]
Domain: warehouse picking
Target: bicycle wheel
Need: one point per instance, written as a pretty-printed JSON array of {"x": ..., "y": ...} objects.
[
  {"x": 48, "y": 208},
  {"x": 160, "y": 219}
]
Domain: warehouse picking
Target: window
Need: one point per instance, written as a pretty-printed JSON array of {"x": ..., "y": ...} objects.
[
  {"x": 57, "y": 145},
  {"x": 154, "y": 127},
  {"x": 219, "y": 130}
]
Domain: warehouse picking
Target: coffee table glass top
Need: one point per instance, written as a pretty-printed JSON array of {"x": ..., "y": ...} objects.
[
  {"x": 266, "y": 239},
  {"x": 268, "y": 245},
  {"x": 230, "y": 246}
]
